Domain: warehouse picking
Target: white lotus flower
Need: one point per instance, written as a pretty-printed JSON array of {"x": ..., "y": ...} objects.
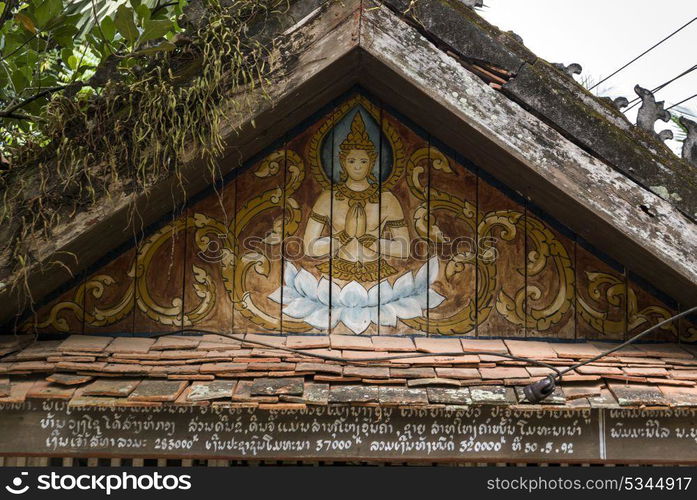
[{"x": 307, "y": 298}]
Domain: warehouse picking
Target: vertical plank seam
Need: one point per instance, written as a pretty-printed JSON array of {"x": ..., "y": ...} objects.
[
  {"x": 380, "y": 225},
  {"x": 281, "y": 330}
]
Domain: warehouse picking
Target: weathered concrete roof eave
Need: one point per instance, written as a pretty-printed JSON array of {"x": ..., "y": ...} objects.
[{"x": 338, "y": 45}]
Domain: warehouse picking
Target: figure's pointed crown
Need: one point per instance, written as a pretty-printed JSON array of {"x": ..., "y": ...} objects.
[{"x": 358, "y": 137}]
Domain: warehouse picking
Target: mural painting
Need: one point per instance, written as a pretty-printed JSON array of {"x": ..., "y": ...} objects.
[{"x": 360, "y": 225}]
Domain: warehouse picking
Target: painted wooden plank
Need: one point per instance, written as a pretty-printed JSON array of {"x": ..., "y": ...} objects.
[
  {"x": 405, "y": 192},
  {"x": 453, "y": 243},
  {"x": 209, "y": 265},
  {"x": 356, "y": 165},
  {"x": 160, "y": 278},
  {"x": 307, "y": 244},
  {"x": 550, "y": 278},
  {"x": 487, "y": 433},
  {"x": 501, "y": 265},
  {"x": 645, "y": 309},
  {"x": 110, "y": 296},
  {"x": 601, "y": 296},
  {"x": 259, "y": 222}
]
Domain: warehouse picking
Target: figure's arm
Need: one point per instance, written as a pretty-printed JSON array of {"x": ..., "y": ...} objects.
[
  {"x": 315, "y": 244},
  {"x": 398, "y": 244}
]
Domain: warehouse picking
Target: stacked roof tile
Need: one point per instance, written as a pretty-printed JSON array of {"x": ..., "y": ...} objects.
[{"x": 217, "y": 370}]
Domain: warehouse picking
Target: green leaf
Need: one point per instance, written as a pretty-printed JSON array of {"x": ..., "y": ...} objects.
[
  {"x": 143, "y": 12},
  {"x": 47, "y": 11},
  {"x": 19, "y": 80},
  {"x": 155, "y": 28},
  {"x": 108, "y": 28},
  {"x": 65, "y": 35},
  {"x": 125, "y": 25},
  {"x": 65, "y": 55}
]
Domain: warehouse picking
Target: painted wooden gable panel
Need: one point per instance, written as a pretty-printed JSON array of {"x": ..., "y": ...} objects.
[{"x": 359, "y": 223}]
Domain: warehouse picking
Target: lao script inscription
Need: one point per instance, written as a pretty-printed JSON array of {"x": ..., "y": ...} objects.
[{"x": 485, "y": 432}]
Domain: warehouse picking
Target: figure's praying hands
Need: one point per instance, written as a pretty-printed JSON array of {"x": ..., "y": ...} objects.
[{"x": 355, "y": 221}]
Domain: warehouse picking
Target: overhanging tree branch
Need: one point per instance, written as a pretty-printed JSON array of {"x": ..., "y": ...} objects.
[{"x": 11, "y": 111}]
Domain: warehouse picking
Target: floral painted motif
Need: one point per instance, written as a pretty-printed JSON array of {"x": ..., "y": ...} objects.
[{"x": 319, "y": 302}]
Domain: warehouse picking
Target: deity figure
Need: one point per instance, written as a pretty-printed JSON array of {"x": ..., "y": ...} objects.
[{"x": 361, "y": 229}]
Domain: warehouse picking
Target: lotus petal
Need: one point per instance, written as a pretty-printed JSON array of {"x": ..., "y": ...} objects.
[
  {"x": 353, "y": 295},
  {"x": 306, "y": 284},
  {"x": 289, "y": 273},
  {"x": 421, "y": 278},
  {"x": 276, "y": 295},
  {"x": 319, "y": 318},
  {"x": 404, "y": 286},
  {"x": 422, "y": 298},
  {"x": 356, "y": 318},
  {"x": 386, "y": 292},
  {"x": 388, "y": 315},
  {"x": 374, "y": 313},
  {"x": 323, "y": 291},
  {"x": 336, "y": 291},
  {"x": 432, "y": 270},
  {"x": 434, "y": 299},
  {"x": 335, "y": 316},
  {"x": 290, "y": 293},
  {"x": 373, "y": 295},
  {"x": 301, "y": 307},
  {"x": 406, "y": 308}
]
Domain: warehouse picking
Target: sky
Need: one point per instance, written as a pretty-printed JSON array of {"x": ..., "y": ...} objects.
[{"x": 603, "y": 35}]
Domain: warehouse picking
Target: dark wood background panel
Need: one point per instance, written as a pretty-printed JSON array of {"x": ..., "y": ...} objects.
[
  {"x": 475, "y": 433},
  {"x": 688, "y": 325}
]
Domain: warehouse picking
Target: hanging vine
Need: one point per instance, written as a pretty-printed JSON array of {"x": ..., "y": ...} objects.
[{"x": 152, "y": 110}]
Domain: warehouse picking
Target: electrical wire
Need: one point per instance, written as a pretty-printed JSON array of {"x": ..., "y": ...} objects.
[
  {"x": 682, "y": 102},
  {"x": 630, "y": 341},
  {"x": 645, "y": 52}
]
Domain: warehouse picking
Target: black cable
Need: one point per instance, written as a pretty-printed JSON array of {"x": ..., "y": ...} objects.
[
  {"x": 537, "y": 391},
  {"x": 630, "y": 341},
  {"x": 644, "y": 53},
  {"x": 682, "y": 102}
]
